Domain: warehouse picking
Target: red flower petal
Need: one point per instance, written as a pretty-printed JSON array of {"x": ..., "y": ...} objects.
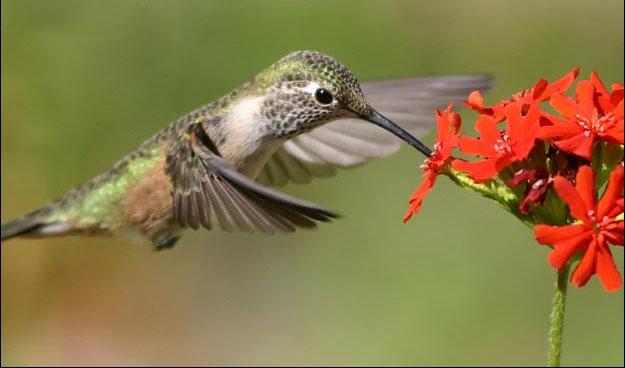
[
  {"x": 558, "y": 128},
  {"x": 564, "y": 105},
  {"x": 614, "y": 135},
  {"x": 586, "y": 266},
  {"x": 596, "y": 81},
  {"x": 522, "y": 130},
  {"x": 473, "y": 146},
  {"x": 566, "y": 241},
  {"x": 416, "y": 200},
  {"x": 514, "y": 126},
  {"x": 567, "y": 192},
  {"x": 618, "y": 112},
  {"x": 487, "y": 127},
  {"x": 585, "y": 94},
  {"x": 561, "y": 84},
  {"x": 612, "y": 192},
  {"x": 603, "y": 98},
  {"x": 447, "y": 124},
  {"x": 585, "y": 186},
  {"x": 538, "y": 89},
  {"x": 503, "y": 162},
  {"x": 579, "y": 144},
  {"x": 617, "y": 209},
  {"x": 563, "y": 251},
  {"x": 617, "y": 93},
  {"x": 606, "y": 269},
  {"x": 546, "y": 234},
  {"x": 479, "y": 171},
  {"x": 615, "y": 234},
  {"x": 475, "y": 101}
]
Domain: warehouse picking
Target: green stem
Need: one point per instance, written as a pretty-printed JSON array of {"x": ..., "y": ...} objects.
[
  {"x": 557, "y": 317},
  {"x": 495, "y": 189}
]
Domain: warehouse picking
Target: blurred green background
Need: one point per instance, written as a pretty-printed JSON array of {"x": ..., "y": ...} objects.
[{"x": 84, "y": 82}]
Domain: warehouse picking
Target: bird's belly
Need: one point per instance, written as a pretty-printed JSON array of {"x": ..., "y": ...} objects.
[{"x": 147, "y": 206}]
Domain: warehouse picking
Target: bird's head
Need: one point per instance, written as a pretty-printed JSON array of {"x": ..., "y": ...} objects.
[{"x": 306, "y": 89}]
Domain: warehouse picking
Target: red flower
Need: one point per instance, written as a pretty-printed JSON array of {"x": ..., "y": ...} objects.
[
  {"x": 541, "y": 91},
  {"x": 606, "y": 101},
  {"x": 499, "y": 149},
  {"x": 598, "y": 225},
  {"x": 594, "y": 115},
  {"x": 448, "y": 133}
]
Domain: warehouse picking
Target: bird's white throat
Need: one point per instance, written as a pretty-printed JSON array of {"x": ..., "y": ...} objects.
[{"x": 248, "y": 143}]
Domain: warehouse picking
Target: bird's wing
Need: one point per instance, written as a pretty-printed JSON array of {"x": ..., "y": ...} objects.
[
  {"x": 206, "y": 189},
  {"x": 349, "y": 142}
]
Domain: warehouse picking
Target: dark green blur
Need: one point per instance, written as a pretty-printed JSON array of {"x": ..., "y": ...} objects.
[{"x": 84, "y": 82}]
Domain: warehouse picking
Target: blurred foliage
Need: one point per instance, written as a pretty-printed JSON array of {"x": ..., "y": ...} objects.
[{"x": 83, "y": 82}]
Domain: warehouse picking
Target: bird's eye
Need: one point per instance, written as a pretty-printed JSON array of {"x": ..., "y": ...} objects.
[{"x": 323, "y": 96}]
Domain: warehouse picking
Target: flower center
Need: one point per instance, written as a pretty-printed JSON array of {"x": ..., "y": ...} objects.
[
  {"x": 436, "y": 160},
  {"x": 607, "y": 224},
  {"x": 433, "y": 162},
  {"x": 591, "y": 215},
  {"x": 595, "y": 124},
  {"x": 503, "y": 144}
]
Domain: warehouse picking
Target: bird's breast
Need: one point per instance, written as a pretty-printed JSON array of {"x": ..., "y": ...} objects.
[{"x": 245, "y": 138}]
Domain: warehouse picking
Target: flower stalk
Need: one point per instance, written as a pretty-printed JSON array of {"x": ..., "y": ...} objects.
[{"x": 557, "y": 317}]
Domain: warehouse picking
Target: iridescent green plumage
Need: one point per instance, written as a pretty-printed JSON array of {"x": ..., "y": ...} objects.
[{"x": 98, "y": 204}]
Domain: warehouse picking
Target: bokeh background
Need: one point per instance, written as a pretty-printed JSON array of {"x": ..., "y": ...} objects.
[{"x": 83, "y": 82}]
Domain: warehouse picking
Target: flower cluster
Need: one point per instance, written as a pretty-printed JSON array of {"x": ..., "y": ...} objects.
[{"x": 545, "y": 168}]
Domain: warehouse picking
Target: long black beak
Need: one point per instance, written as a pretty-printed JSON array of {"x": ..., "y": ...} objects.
[{"x": 380, "y": 120}]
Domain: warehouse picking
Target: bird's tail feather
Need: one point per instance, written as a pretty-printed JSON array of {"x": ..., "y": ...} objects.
[{"x": 34, "y": 224}]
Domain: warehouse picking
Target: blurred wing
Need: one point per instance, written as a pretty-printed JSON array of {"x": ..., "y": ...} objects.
[
  {"x": 411, "y": 102},
  {"x": 349, "y": 142},
  {"x": 206, "y": 188}
]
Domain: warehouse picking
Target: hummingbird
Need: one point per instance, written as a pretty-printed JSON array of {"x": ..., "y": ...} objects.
[{"x": 302, "y": 117}]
